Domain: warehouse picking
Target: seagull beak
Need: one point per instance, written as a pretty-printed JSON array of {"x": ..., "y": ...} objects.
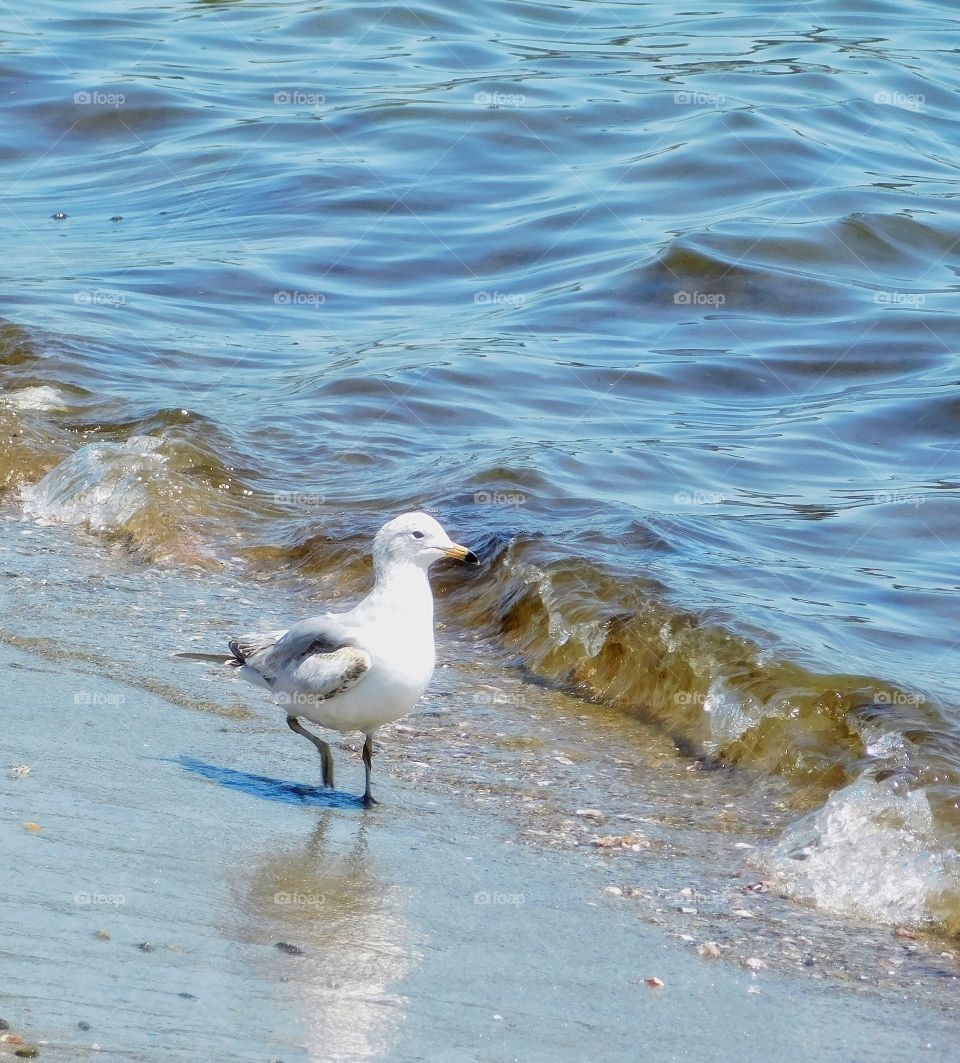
[{"x": 461, "y": 553}]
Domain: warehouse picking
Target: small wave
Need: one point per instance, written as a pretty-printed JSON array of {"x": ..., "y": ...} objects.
[
  {"x": 101, "y": 486},
  {"x": 41, "y": 397},
  {"x": 873, "y": 853},
  {"x": 160, "y": 497},
  {"x": 732, "y": 715}
]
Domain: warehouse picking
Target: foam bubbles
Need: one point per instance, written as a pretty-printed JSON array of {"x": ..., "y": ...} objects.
[
  {"x": 869, "y": 852},
  {"x": 101, "y": 485},
  {"x": 37, "y": 398}
]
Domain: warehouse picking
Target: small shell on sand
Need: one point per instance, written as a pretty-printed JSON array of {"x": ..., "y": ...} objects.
[
  {"x": 709, "y": 949},
  {"x": 654, "y": 983},
  {"x": 754, "y": 963},
  {"x": 594, "y": 815}
]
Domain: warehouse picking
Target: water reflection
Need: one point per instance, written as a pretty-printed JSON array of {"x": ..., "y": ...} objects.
[{"x": 329, "y": 899}]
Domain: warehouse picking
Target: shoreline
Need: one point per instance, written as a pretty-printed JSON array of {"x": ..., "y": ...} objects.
[{"x": 414, "y": 940}]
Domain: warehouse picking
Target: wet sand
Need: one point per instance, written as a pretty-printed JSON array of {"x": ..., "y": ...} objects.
[{"x": 424, "y": 929}]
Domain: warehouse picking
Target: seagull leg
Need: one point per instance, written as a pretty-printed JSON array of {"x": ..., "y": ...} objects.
[
  {"x": 322, "y": 748},
  {"x": 368, "y": 801}
]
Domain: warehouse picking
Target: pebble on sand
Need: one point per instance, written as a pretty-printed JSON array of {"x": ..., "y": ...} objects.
[
  {"x": 755, "y": 963},
  {"x": 654, "y": 983},
  {"x": 101, "y": 935},
  {"x": 58, "y": 215},
  {"x": 290, "y": 950},
  {"x": 27, "y": 1052},
  {"x": 613, "y": 891},
  {"x": 4, "y": 1025},
  {"x": 34, "y": 828},
  {"x": 905, "y": 932},
  {"x": 618, "y": 841},
  {"x": 709, "y": 949},
  {"x": 594, "y": 815}
]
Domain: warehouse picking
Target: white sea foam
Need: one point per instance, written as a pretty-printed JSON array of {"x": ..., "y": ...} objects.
[
  {"x": 101, "y": 485},
  {"x": 41, "y": 397},
  {"x": 869, "y": 852},
  {"x": 730, "y": 715}
]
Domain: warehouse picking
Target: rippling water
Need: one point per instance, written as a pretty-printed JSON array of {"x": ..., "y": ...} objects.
[{"x": 657, "y": 308}]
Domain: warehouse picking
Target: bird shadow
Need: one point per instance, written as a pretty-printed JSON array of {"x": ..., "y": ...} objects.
[{"x": 288, "y": 793}]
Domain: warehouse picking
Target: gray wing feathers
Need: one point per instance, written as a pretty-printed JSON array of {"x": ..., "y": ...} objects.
[
  {"x": 325, "y": 675},
  {"x": 256, "y": 644},
  {"x": 315, "y": 657}
]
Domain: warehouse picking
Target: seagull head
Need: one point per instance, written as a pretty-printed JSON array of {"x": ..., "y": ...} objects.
[{"x": 416, "y": 539}]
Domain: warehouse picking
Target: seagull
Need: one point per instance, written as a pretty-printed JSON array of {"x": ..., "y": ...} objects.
[{"x": 359, "y": 670}]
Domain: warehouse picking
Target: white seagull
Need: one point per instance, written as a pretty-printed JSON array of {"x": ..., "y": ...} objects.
[{"x": 359, "y": 670}]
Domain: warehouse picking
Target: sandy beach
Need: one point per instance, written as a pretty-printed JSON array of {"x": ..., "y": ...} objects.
[
  {"x": 177, "y": 888},
  {"x": 650, "y": 307}
]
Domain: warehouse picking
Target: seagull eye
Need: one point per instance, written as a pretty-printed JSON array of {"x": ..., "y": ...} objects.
[{"x": 418, "y": 535}]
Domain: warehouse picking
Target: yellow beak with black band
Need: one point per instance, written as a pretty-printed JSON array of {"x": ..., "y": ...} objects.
[{"x": 461, "y": 553}]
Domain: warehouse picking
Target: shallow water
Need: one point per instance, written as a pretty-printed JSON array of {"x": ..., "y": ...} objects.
[
  {"x": 168, "y": 805},
  {"x": 655, "y": 308}
]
